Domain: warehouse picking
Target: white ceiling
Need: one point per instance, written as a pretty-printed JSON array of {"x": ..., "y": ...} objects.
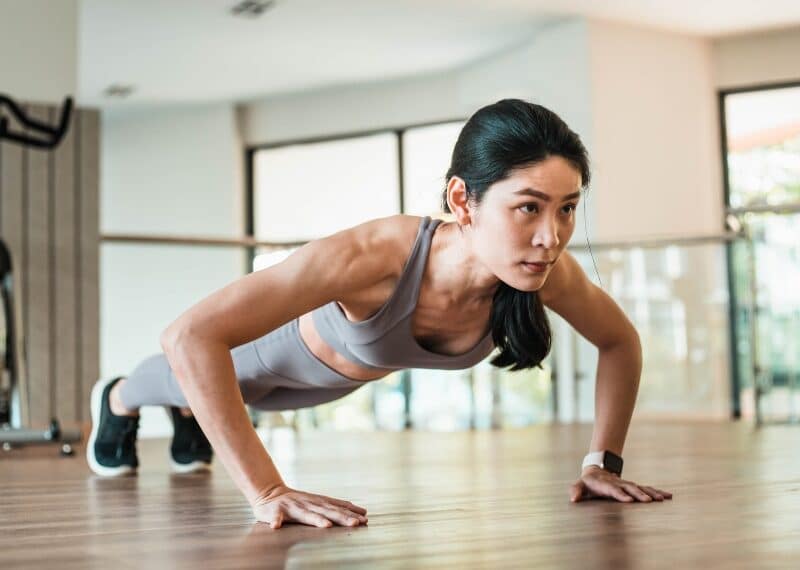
[{"x": 195, "y": 50}]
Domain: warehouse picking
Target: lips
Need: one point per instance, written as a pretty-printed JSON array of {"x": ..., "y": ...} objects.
[{"x": 535, "y": 267}]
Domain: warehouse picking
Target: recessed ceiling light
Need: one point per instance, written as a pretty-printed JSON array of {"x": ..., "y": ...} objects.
[
  {"x": 118, "y": 90},
  {"x": 252, "y": 8}
]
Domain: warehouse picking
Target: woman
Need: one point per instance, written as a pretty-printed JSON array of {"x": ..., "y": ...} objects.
[{"x": 392, "y": 293}]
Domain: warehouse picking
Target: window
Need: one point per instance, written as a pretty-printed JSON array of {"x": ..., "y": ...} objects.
[
  {"x": 762, "y": 160},
  {"x": 763, "y": 147},
  {"x": 306, "y": 191},
  {"x": 426, "y": 158}
]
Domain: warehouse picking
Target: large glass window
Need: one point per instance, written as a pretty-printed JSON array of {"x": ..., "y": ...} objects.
[
  {"x": 763, "y": 147},
  {"x": 307, "y": 191},
  {"x": 762, "y": 158},
  {"x": 426, "y": 158}
]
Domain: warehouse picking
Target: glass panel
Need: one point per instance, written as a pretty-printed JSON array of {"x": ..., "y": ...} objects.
[
  {"x": 777, "y": 268},
  {"x": 481, "y": 397},
  {"x": 677, "y": 298},
  {"x": 303, "y": 192},
  {"x": 426, "y": 158},
  {"x": 763, "y": 159}
]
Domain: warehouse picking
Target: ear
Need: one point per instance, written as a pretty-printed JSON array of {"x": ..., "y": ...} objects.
[{"x": 458, "y": 200}]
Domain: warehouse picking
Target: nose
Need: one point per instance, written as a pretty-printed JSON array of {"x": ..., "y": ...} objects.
[{"x": 546, "y": 234}]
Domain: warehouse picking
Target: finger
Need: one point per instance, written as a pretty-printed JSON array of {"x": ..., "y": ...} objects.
[
  {"x": 341, "y": 509},
  {"x": 278, "y": 521},
  {"x": 576, "y": 491},
  {"x": 328, "y": 506},
  {"x": 666, "y": 494},
  {"x": 619, "y": 494},
  {"x": 652, "y": 492},
  {"x": 339, "y": 516},
  {"x": 346, "y": 504},
  {"x": 663, "y": 494},
  {"x": 635, "y": 492},
  {"x": 303, "y": 515}
]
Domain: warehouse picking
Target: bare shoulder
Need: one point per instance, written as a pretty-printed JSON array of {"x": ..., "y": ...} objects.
[
  {"x": 383, "y": 245},
  {"x": 387, "y": 229},
  {"x": 354, "y": 264},
  {"x": 397, "y": 233},
  {"x": 364, "y": 255},
  {"x": 385, "y": 239}
]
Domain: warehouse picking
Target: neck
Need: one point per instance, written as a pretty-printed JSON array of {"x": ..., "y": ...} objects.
[{"x": 457, "y": 272}]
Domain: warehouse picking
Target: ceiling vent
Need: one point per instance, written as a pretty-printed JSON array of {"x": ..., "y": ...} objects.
[{"x": 252, "y": 8}]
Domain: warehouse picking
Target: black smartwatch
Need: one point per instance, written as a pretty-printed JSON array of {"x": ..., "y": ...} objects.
[{"x": 605, "y": 460}]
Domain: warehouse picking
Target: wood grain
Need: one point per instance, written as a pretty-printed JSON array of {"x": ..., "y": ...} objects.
[{"x": 488, "y": 499}]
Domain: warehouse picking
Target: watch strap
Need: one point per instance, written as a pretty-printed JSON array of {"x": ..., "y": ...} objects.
[{"x": 605, "y": 460}]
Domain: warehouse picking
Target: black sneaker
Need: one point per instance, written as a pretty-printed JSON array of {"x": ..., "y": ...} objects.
[
  {"x": 190, "y": 450},
  {"x": 111, "y": 449}
]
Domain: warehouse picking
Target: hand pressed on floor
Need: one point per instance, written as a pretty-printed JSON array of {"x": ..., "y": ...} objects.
[
  {"x": 596, "y": 483},
  {"x": 284, "y": 504}
]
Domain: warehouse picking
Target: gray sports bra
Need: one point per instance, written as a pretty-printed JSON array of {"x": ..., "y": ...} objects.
[{"x": 385, "y": 340}]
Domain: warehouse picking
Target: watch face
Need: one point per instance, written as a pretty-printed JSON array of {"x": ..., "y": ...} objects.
[{"x": 612, "y": 462}]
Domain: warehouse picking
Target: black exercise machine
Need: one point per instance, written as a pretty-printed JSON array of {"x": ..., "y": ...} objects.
[{"x": 14, "y": 401}]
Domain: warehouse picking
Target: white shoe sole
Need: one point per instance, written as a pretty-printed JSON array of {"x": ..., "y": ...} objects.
[
  {"x": 96, "y": 407},
  {"x": 193, "y": 467}
]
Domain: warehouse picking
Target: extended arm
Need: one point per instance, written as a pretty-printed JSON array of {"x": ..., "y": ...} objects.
[
  {"x": 199, "y": 342},
  {"x": 599, "y": 319}
]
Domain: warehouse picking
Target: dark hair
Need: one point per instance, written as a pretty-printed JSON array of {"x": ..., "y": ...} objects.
[{"x": 496, "y": 140}]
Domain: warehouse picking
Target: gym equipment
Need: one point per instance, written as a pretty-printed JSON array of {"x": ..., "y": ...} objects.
[{"x": 14, "y": 402}]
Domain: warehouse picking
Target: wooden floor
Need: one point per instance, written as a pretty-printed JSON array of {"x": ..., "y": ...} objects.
[{"x": 435, "y": 500}]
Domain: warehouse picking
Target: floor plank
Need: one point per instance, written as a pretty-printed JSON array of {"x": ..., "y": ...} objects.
[{"x": 435, "y": 500}]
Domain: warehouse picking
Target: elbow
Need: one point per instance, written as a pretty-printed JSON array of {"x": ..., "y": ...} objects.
[
  {"x": 180, "y": 340},
  {"x": 178, "y": 344},
  {"x": 628, "y": 344},
  {"x": 167, "y": 338},
  {"x": 633, "y": 347},
  {"x": 174, "y": 337}
]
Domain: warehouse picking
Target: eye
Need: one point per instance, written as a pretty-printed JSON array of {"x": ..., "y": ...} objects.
[
  {"x": 533, "y": 211},
  {"x": 569, "y": 208}
]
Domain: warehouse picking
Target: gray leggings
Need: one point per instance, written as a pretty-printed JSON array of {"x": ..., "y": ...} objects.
[{"x": 275, "y": 372}]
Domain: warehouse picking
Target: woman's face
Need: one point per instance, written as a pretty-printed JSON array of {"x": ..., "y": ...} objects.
[{"x": 527, "y": 218}]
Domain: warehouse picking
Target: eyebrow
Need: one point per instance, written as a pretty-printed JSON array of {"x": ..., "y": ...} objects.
[{"x": 545, "y": 197}]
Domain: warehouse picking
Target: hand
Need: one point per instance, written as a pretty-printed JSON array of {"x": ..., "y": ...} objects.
[
  {"x": 283, "y": 504},
  {"x": 596, "y": 483}
]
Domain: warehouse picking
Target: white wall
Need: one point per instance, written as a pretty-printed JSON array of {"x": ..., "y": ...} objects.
[
  {"x": 170, "y": 170},
  {"x": 656, "y": 157},
  {"x": 352, "y": 108},
  {"x": 38, "y": 49},
  {"x": 753, "y": 59}
]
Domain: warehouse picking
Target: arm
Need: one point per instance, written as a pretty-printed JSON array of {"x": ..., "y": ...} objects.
[
  {"x": 198, "y": 346},
  {"x": 599, "y": 319}
]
